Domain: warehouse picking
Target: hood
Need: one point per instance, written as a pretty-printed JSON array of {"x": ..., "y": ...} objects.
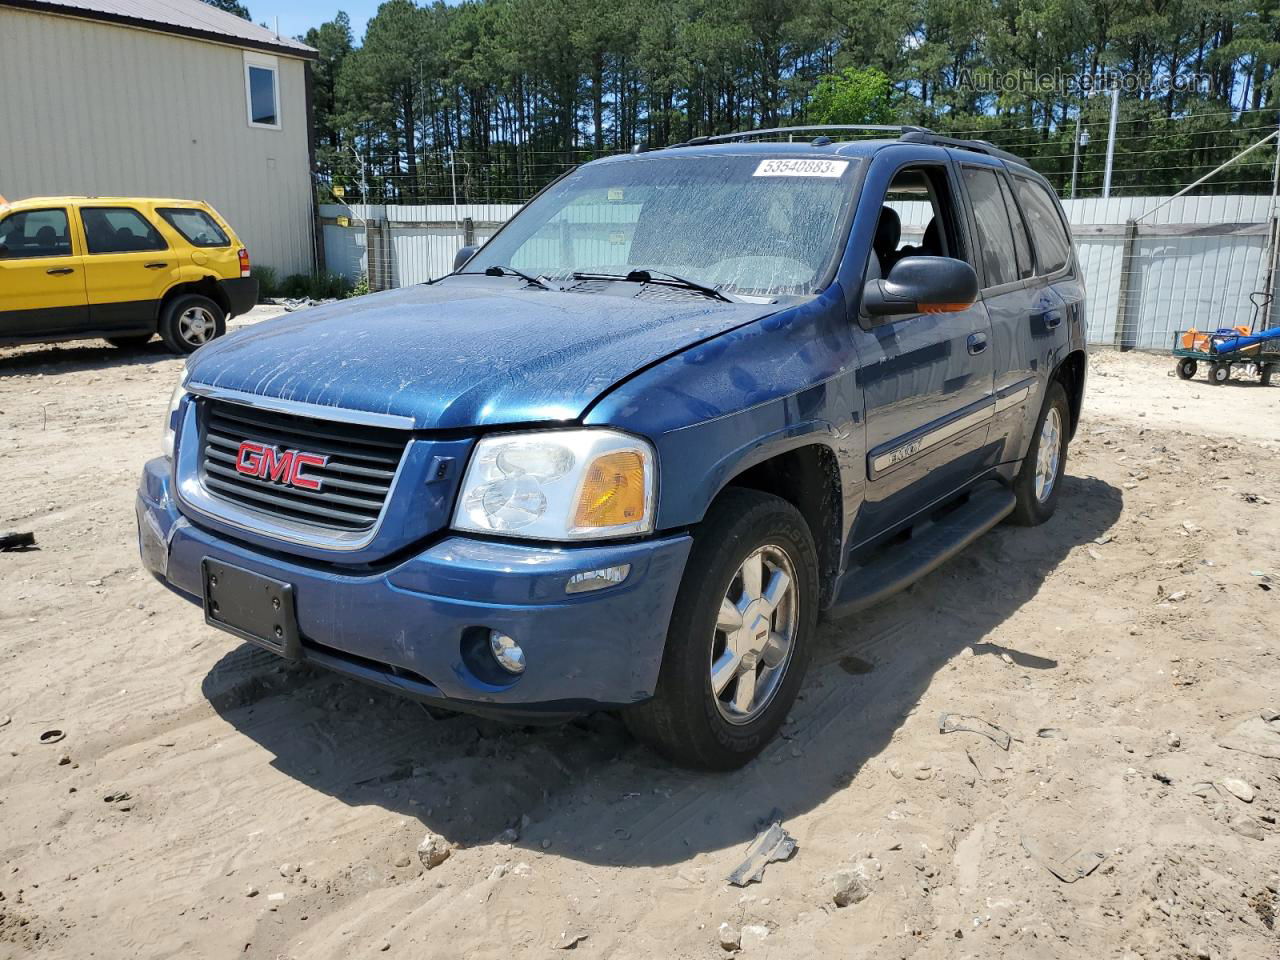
[{"x": 464, "y": 352}]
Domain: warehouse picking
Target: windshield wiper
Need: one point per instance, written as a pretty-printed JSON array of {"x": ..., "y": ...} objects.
[
  {"x": 657, "y": 276},
  {"x": 497, "y": 271}
]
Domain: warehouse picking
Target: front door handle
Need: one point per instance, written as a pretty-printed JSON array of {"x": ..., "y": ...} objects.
[
  {"x": 60, "y": 271},
  {"x": 155, "y": 266},
  {"x": 977, "y": 343}
]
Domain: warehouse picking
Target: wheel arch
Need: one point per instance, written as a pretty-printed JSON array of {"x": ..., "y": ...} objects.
[
  {"x": 808, "y": 477},
  {"x": 206, "y": 286},
  {"x": 1071, "y": 374}
]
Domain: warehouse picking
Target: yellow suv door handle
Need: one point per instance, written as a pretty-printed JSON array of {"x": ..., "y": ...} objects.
[
  {"x": 155, "y": 266},
  {"x": 60, "y": 271}
]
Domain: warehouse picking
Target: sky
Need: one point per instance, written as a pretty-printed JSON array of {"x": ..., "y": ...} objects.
[{"x": 298, "y": 16}]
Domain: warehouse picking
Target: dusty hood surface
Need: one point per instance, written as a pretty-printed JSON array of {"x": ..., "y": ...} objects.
[{"x": 464, "y": 352}]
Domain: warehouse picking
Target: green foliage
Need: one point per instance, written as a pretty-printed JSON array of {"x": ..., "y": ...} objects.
[
  {"x": 852, "y": 96},
  {"x": 516, "y": 91},
  {"x": 231, "y": 6},
  {"x": 268, "y": 282},
  {"x": 297, "y": 286},
  {"x": 361, "y": 286}
]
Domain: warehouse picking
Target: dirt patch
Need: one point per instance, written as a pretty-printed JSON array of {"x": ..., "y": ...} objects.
[{"x": 1136, "y": 626}]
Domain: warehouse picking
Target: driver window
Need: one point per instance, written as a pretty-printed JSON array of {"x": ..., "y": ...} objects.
[{"x": 917, "y": 219}]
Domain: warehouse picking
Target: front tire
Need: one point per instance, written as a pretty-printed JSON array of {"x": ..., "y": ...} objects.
[
  {"x": 1039, "y": 482},
  {"x": 740, "y": 637},
  {"x": 1219, "y": 373},
  {"x": 190, "y": 321},
  {"x": 1187, "y": 368}
]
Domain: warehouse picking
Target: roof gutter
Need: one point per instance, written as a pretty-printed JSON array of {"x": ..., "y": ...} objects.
[{"x": 157, "y": 26}]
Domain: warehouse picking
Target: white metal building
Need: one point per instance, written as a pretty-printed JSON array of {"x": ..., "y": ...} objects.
[{"x": 162, "y": 98}]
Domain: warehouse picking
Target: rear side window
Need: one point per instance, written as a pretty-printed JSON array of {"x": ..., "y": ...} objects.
[
  {"x": 199, "y": 229},
  {"x": 1021, "y": 242},
  {"x": 1053, "y": 246},
  {"x": 35, "y": 233},
  {"x": 119, "y": 230},
  {"x": 995, "y": 238}
]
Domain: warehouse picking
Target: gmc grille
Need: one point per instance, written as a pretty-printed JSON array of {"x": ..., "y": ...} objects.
[{"x": 354, "y": 483}]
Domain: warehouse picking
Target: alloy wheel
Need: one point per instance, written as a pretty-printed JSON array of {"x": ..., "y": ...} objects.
[
  {"x": 197, "y": 325},
  {"x": 755, "y": 634},
  {"x": 1049, "y": 454}
]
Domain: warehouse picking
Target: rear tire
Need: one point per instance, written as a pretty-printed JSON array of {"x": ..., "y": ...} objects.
[
  {"x": 190, "y": 321},
  {"x": 130, "y": 343},
  {"x": 1264, "y": 378},
  {"x": 1187, "y": 368},
  {"x": 734, "y": 623},
  {"x": 1219, "y": 373},
  {"x": 1039, "y": 481}
]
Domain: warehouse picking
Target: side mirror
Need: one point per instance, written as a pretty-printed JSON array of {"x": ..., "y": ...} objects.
[
  {"x": 921, "y": 285},
  {"x": 462, "y": 256}
]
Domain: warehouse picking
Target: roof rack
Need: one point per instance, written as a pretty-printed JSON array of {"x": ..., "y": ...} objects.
[
  {"x": 906, "y": 132},
  {"x": 977, "y": 146},
  {"x": 898, "y": 128}
]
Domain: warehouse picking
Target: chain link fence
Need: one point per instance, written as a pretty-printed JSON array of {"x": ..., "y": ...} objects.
[{"x": 1153, "y": 266}]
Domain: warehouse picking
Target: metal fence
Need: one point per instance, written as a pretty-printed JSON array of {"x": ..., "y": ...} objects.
[{"x": 1152, "y": 268}]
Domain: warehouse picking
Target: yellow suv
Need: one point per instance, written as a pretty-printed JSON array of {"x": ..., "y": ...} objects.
[{"x": 124, "y": 269}]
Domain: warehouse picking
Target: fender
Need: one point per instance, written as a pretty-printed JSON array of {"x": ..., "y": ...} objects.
[{"x": 723, "y": 406}]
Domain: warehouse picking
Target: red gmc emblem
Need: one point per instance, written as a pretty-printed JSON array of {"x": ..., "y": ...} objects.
[{"x": 279, "y": 466}]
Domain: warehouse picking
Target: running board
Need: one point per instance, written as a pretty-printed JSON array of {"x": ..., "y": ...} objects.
[{"x": 931, "y": 545}]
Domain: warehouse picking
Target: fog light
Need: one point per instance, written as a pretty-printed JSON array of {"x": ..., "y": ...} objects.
[{"x": 506, "y": 651}]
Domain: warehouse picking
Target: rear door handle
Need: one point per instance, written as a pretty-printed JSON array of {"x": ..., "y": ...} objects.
[
  {"x": 60, "y": 271},
  {"x": 977, "y": 343},
  {"x": 155, "y": 266},
  {"x": 1052, "y": 319}
]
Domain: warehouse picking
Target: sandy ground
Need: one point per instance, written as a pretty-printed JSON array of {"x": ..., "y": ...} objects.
[{"x": 208, "y": 801}]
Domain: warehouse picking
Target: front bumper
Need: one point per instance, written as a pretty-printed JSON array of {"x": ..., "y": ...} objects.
[{"x": 405, "y": 627}]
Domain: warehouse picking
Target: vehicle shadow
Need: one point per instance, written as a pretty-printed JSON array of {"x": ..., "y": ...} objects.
[
  {"x": 586, "y": 791},
  {"x": 80, "y": 355}
]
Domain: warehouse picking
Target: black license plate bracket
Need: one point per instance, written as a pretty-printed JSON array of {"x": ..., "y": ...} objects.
[{"x": 251, "y": 606}]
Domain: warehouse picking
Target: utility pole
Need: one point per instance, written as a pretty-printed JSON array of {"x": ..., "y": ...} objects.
[
  {"x": 1081, "y": 140},
  {"x": 364, "y": 202},
  {"x": 1075, "y": 154},
  {"x": 1111, "y": 141},
  {"x": 453, "y": 179},
  {"x": 1261, "y": 322}
]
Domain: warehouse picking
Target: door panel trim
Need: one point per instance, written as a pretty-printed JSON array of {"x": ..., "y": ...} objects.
[
  {"x": 127, "y": 313},
  {"x": 1014, "y": 394},
  {"x": 21, "y": 326},
  {"x": 908, "y": 446}
]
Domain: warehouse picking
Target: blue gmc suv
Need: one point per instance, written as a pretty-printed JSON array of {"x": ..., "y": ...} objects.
[{"x": 685, "y": 404}]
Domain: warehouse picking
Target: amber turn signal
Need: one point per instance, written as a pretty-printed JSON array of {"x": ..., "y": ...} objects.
[{"x": 613, "y": 491}]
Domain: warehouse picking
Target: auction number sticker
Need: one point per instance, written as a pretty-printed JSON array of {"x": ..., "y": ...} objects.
[{"x": 795, "y": 167}]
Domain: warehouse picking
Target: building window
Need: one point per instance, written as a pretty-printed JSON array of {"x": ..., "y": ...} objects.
[{"x": 262, "y": 90}]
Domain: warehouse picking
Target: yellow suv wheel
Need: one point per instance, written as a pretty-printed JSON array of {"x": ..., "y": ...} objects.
[{"x": 190, "y": 321}]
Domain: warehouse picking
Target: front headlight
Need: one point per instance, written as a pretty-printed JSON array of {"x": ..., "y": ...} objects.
[
  {"x": 171, "y": 416},
  {"x": 559, "y": 485}
]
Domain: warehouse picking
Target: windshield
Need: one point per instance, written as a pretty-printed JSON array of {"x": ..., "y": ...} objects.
[{"x": 756, "y": 225}]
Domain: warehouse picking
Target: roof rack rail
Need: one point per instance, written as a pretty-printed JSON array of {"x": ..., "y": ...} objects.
[
  {"x": 977, "y": 146},
  {"x": 898, "y": 128},
  {"x": 906, "y": 132}
]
